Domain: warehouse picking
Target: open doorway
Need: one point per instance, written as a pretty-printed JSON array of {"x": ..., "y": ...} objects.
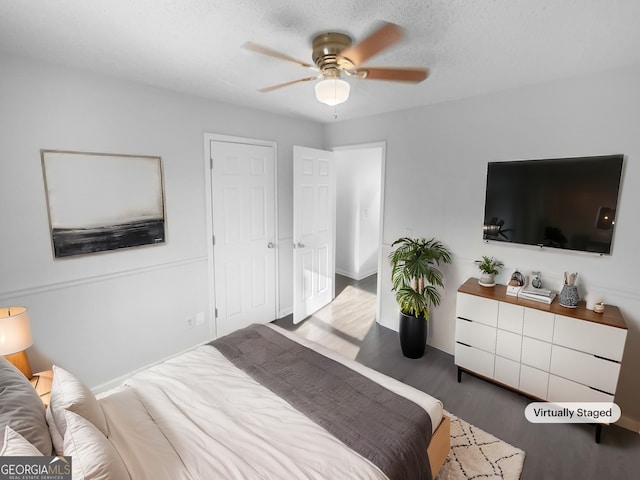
[{"x": 358, "y": 210}]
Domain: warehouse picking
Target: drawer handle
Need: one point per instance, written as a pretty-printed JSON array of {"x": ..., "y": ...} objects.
[
  {"x": 605, "y": 358},
  {"x": 465, "y": 344},
  {"x": 601, "y": 391},
  {"x": 465, "y": 319}
]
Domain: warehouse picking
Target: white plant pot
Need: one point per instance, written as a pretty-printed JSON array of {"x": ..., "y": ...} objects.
[{"x": 487, "y": 279}]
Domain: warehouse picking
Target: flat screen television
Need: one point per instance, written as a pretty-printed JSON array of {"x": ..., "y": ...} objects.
[{"x": 567, "y": 203}]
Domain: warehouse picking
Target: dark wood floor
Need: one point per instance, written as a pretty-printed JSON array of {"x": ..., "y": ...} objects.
[{"x": 554, "y": 451}]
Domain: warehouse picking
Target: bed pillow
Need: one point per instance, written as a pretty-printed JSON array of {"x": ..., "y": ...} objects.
[
  {"x": 15, "y": 445},
  {"x": 56, "y": 436},
  {"x": 21, "y": 408},
  {"x": 69, "y": 393},
  {"x": 93, "y": 456}
]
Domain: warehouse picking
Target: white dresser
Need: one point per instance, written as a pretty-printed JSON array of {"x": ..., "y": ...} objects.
[{"x": 548, "y": 352}]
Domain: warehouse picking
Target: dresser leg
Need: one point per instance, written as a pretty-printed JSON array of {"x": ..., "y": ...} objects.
[
  {"x": 598, "y": 432},
  {"x": 459, "y": 375}
]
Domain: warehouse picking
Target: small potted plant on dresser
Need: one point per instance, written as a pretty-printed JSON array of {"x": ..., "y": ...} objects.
[
  {"x": 489, "y": 267},
  {"x": 416, "y": 279}
]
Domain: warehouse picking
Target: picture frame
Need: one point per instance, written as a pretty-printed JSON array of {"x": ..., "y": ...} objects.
[{"x": 98, "y": 202}]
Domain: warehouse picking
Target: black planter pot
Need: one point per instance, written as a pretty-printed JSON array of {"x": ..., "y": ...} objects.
[{"x": 413, "y": 335}]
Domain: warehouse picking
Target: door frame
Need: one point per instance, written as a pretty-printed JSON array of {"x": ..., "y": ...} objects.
[
  {"x": 215, "y": 137},
  {"x": 383, "y": 169}
]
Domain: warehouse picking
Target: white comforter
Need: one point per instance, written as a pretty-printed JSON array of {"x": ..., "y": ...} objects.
[{"x": 199, "y": 417}]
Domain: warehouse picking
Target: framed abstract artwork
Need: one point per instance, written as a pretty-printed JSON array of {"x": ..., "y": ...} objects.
[{"x": 99, "y": 202}]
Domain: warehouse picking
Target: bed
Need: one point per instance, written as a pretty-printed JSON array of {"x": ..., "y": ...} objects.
[{"x": 258, "y": 403}]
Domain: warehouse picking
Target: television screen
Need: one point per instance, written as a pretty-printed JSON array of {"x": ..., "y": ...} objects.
[{"x": 567, "y": 203}]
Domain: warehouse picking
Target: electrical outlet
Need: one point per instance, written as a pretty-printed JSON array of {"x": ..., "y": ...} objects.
[{"x": 189, "y": 323}]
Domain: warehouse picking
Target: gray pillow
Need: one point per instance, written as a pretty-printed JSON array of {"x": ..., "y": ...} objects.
[{"x": 21, "y": 408}]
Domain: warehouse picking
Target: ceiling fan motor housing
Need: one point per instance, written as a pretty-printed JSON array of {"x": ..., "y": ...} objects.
[
  {"x": 326, "y": 53},
  {"x": 334, "y": 54}
]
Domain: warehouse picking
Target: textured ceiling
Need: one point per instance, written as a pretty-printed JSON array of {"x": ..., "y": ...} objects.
[{"x": 471, "y": 47}]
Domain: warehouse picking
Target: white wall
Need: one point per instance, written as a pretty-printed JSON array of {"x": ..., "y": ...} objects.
[
  {"x": 106, "y": 314},
  {"x": 103, "y": 315},
  {"x": 358, "y": 186},
  {"x": 435, "y": 179}
]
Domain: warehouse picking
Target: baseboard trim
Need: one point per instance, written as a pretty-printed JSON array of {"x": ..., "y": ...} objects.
[
  {"x": 355, "y": 276},
  {"x": 629, "y": 423},
  {"x": 118, "y": 381}
]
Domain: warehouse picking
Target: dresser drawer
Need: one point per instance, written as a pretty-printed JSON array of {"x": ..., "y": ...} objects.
[
  {"x": 534, "y": 382},
  {"x": 584, "y": 368},
  {"x": 538, "y": 324},
  {"x": 476, "y": 334},
  {"x": 589, "y": 337},
  {"x": 510, "y": 317},
  {"x": 508, "y": 344},
  {"x": 536, "y": 353},
  {"x": 475, "y": 360},
  {"x": 563, "y": 390},
  {"x": 507, "y": 372},
  {"x": 479, "y": 309}
]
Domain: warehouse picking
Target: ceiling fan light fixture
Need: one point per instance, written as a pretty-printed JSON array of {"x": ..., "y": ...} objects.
[{"x": 332, "y": 91}]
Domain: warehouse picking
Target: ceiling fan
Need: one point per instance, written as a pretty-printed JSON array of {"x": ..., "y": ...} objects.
[{"x": 335, "y": 56}]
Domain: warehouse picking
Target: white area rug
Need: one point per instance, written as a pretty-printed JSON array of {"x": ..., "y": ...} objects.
[{"x": 477, "y": 454}]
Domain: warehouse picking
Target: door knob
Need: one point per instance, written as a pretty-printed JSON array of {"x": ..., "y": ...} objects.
[{"x": 271, "y": 245}]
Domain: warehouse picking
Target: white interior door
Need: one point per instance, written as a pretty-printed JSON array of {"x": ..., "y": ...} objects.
[
  {"x": 313, "y": 230},
  {"x": 243, "y": 209}
]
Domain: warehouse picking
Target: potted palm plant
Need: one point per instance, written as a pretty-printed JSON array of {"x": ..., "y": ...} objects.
[
  {"x": 416, "y": 279},
  {"x": 489, "y": 267}
]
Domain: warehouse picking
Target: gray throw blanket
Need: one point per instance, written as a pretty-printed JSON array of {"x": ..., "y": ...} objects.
[{"x": 386, "y": 428}]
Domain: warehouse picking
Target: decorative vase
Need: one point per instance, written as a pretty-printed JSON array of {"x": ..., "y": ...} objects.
[
  {"x": 518, "y": 277},
  {"x": 536, "y": 281},
  {"x": 413, "y": 335},
  {"x": 487, "y": 279},
  {"x": 569, "y": 296}
]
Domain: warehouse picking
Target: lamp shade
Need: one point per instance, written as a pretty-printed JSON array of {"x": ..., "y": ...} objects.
[
  {"x": 15, "y": 332},
  {"x": 332, "y": 91}
]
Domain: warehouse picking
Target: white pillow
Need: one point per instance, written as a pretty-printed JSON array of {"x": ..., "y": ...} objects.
[
  {"x": 93, "y": 456},
  {"x": 15, "y": 445},
  {"x": 56, "y": 436},
  {"x": 69, "y": 393}
]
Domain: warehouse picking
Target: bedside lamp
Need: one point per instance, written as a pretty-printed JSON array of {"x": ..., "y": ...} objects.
[{"x": 15, "y": 337}]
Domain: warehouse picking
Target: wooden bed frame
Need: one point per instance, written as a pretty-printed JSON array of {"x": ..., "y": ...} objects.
[{"x": 440, "y": 445}]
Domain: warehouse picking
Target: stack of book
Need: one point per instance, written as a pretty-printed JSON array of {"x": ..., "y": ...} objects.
[{"x": 537, "y": 294}]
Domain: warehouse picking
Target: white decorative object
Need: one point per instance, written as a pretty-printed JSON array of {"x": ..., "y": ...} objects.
[
  {"x": 537, "y": 294},
  {"x": 592, "y": 298},
  {"x": 513, "y": 290},
  {"x": 487, "y": 280}
]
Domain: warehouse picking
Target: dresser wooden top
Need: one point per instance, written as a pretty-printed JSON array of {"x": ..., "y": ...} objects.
[{"x": 611, "y": 316}]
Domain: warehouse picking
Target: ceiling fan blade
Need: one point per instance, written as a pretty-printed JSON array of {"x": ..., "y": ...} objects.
[
  {"x": 382, "y": 38},
  {"x": 412, "y": 75},
  {"x": 254, "y": 47},
  {"x": 280, "y": 85}
]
